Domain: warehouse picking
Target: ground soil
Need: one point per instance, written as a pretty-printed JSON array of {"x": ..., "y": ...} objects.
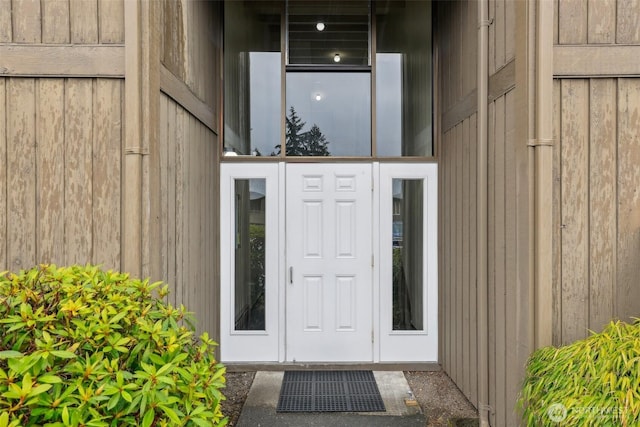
[{"x": 440, "y": 399}]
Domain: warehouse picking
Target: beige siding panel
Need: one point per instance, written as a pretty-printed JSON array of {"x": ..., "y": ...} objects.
[
  {"x": 628, "y": 31},
  {"x": 107, "y": 172},
  {"x": 555, "y": 22},
  {"x": 172, "y": 38},
  {"x": 6, "y": 35},
  {"x": 84, "y": 21},
  {"x": 557, "y": 217},
  {"x": 180, "y": 203},
  {"x": 171, "y": 196},
  {"x": 450, "y": 246},
  {"x": 457, "y": 300},
  {"x": 575, "y": 208},
  {"x": 26, "y": 21},
  {"x": 3, "y": 176},
  {"x": 512, "y": 367},
  {"x": 21, "y": 174},
  {"x": 472, "y": 393},
  {"x": 500, "y": 266},
  {"x": 448, "y": 147},
  {"x": 510, "y": 30},
  {"x": 492, "y": 36},
  {"x": 111, "y": 23},
  {"x": 628, "y": 291},
  {"x": 465, "y": 257},
  {"x": 51, "y": 171},
  {"x": 572, "y": 16},
  {"x": 78, "y": 180},
  {"x": 491, "y": 255},
  {"x": 501, "y": 42},
  {"x": 55, "y": 21},
  {"x": 602, "y": 201},
  {"x": 602, "y": 21},
  {"x": 163, "y": 152}
]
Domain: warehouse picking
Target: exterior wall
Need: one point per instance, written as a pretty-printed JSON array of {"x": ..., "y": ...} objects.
[
  {"x": 188, "y": 249},
  {"x": 61, "y": 136},
  {"x": 111, "y": 147},
  {"x": 188, "y": 157},
  {"x": 596, "y": 158},
  {"x": 62, "y": 22},
  {"x": 61, "y": 142},
  {"x": 457, "y": 156},
  {"x": 507, "y": 176}
]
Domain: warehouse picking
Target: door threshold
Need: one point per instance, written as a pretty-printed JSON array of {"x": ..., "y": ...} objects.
[{"x": 333, "y": 366}]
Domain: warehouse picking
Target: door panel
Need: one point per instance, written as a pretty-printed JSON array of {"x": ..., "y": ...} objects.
[{"x": 329, "y": 250}]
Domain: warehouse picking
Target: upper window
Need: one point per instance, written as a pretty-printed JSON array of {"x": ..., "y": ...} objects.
[
  {"x": 299, "y": 78},
  {"x": 328, "y": 32}
]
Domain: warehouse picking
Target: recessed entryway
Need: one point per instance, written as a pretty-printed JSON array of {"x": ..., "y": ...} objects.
[{"x": 328, "y": 262}]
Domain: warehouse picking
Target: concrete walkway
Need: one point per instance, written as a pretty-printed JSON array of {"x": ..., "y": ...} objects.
[{"x": 260, "y": 406}]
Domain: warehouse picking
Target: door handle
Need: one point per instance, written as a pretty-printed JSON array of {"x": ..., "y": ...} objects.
[{"x": 291, "y": 275}]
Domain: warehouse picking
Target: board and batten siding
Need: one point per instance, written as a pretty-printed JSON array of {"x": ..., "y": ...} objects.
[
  {"x": 596, "y": 170},
  {"x": 596, "y": 204},
  {"x": 62, "y": 21},
  {"x": 188, "y": 206},
  {"x": 457, "y": 58},
  {"x": 61, "y": 146},
  {"x": 188, "y": 157}
]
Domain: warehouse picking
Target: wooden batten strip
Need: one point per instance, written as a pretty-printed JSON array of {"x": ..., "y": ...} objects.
[
  {"x": 62, "y": 61},
  {"x": 177, "y": 90},
  {"x": 596, "y": 61},
  {"x": 501, "y": 82}
]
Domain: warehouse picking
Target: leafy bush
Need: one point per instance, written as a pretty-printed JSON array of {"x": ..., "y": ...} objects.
[
  {"x": 84, "y": 347},
  {"x": 592, "y": 382}
]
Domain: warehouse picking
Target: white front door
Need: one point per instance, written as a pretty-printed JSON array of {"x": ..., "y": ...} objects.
[{"x": 329, "y": 291}]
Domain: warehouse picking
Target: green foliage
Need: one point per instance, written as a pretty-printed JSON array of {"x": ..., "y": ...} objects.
[
  {"x": 84, "y": 347},
  {"x": 592, "y": 382},
  {"x": 300, "y": 143}
]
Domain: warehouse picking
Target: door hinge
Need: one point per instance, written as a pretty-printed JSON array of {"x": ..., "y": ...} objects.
[
  {"x": 372, "y": 336},
  {"x": 373, "y": 261}
]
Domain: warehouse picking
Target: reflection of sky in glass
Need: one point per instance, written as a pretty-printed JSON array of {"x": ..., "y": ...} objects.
[
  {"x": 339, "y": 103},
  {"x": 265, "y": 101},
  {"x": 389, "y": 104}
]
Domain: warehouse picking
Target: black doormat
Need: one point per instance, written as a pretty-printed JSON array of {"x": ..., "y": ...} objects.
[{"x": 329, "y": 391}]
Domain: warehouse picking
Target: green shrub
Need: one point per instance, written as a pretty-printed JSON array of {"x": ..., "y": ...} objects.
[
  {"x": 592, "y": 382},
  {"x": 84, "y": 347}
]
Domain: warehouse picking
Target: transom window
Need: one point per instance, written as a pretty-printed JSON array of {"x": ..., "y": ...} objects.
[{"x": 328, "y": 78}]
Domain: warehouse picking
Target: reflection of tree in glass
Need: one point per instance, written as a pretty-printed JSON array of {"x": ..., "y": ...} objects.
[{"x": 299, "y": 143}]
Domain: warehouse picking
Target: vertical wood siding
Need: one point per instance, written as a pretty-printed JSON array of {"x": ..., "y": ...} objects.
[
  {"x": 62, "y": 21},
  {"x": 596, "y": 176},
  {"x": 457, "y": 46},
  {"x": 597, "y": 22},
  {"x": 597, "y": 204},
  {"x": 60, "y": 140},
  {"x": 189, "y": 158},
  {"x": 188, "y": 206},
  {"x": 457, "y": 281},
  {"x": 189, "y": 45}
]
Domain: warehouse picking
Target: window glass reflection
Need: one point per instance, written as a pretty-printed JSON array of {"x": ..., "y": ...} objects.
[
  {"x": 250, "y": 204},
  {"x": 403, "y": 79},
  {"x": 328, "y": 114},
  {"x": 252, "y": 77},
  {"x": 407, "y": 255},
  {"x": 328, "y": 32}
]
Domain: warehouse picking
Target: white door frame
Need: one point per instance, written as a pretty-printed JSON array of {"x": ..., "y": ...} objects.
[{"x": 270, "y": 345}]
